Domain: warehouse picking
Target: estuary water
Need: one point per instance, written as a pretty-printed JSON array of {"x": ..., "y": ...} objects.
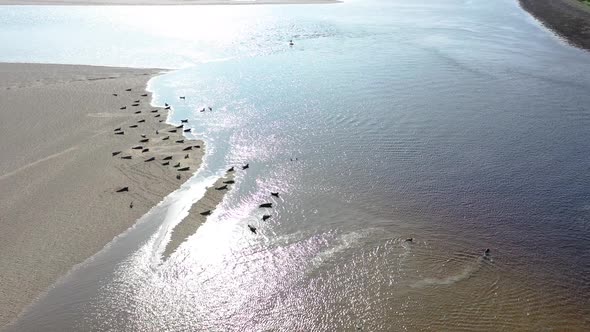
[{"x": 461, "y": 124}]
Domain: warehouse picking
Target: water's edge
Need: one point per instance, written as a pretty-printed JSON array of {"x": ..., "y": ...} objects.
[{"x": 104, "y": 260}]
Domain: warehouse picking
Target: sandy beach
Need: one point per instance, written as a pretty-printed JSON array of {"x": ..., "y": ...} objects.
[
  {"x": 58, "y": 176},
  {"x": 568, "y": 18}
]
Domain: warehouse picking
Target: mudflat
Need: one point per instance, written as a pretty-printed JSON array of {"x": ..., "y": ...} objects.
[{"x": 568, "y": 18}]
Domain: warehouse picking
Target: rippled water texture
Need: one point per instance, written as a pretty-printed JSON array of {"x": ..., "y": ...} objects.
[{"x": 460, "y": 124}]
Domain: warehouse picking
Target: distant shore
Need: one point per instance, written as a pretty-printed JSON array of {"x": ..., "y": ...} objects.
[
  {"x": 162, "y": 2},
  {"x": 70, "y": 179},
  {"x": 570, "y": 19}
]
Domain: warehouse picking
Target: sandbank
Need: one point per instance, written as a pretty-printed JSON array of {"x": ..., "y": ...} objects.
[{"x": 59, "y": 203}]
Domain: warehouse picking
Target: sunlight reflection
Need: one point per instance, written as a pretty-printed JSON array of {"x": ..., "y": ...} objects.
[{"x": 220, "y": 25}]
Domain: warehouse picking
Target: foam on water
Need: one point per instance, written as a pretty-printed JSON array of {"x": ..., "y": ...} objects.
[
  {"x": 470, "y": 269},
  {"x": 339, "y": 244}
]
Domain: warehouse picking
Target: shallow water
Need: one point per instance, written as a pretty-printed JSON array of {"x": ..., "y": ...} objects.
[{"x": 462, "y": 124}]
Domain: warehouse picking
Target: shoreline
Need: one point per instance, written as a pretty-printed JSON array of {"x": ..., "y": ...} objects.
[
  {"x": 62, "y": 177},
  {"x": 569, "y": 19},
  {"x": 198, "y": 213}
]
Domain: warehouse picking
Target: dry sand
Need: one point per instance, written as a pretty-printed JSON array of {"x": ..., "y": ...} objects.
[
  {"x": 568, "y": 18},
  {"x": 160, "y": 2},
  {"x": 58, "y": 179}
]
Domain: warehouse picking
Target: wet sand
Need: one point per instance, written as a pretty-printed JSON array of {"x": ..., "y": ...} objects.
[
  {"x": 59, "y": 203},
  {"x": 199, "y": 213},
  {"x": 568, "y": 18}
]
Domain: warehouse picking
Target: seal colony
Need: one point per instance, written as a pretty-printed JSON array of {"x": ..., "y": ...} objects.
[
  {"x": 98, "y": 159},
  {"x": 79, "y": 166}
]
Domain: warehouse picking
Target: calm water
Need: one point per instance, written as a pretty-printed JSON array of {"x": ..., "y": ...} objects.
[{"x": 462, "y": 124}]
